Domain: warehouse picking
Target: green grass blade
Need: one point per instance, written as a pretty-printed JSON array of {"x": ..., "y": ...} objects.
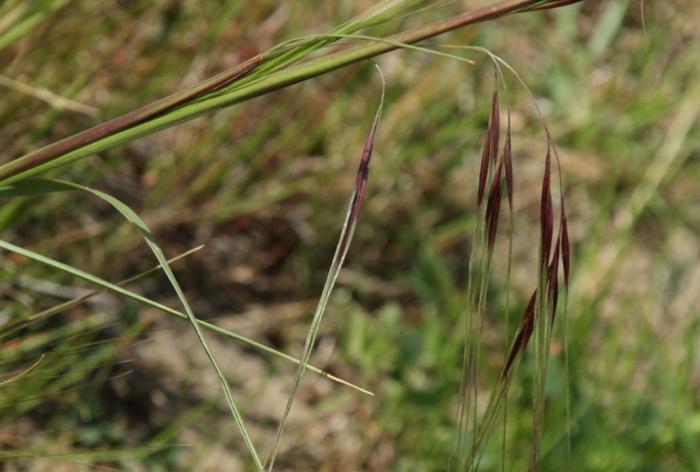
[
  {"x": 118, "y": 289},
  {"x": 23, "y": 18},
  {"x": 22, "y": 374},
  {"x": 30, "y": 186},
  {"x": 78, "y": 300},
  {"x": 341, "y": 251},
  {"x": 12, "y": 329},
  {"x": 187, "y": 105}
]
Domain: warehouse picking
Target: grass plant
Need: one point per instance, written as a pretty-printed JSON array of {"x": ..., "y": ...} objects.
[{"x": 458, "y": 384}]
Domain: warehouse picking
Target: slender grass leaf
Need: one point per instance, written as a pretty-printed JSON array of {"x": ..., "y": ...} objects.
[
  {"x": 23, "y": 373},
  {"x": 96, "y": 140},
  {"x": 114, "y": 288},
  {"x": 31, "y": 186},
  {"x": 341, "y": 251}
]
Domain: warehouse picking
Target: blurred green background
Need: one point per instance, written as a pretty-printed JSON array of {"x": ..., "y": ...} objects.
[{"x": 264, "y": 187}]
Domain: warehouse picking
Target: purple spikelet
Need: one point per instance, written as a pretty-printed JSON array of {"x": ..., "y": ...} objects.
[{"x": 546, "y": 213}]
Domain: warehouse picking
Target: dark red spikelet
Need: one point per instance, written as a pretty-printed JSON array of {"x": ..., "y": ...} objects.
[
  {"x": 527, "y": 325},
  {"x": 554, "y": 278},
  {"x": 363, "y": 170},
  {"x": 493, "y": 206},
  {"x": 546, "y": 212},
  {"x": 361, "y": 180},
  {"x": 565, "y": 254},
  {"x": 508, "y": 162},
  {"x": 489, "y": 152},
  {"x": 484, "y": 171}
]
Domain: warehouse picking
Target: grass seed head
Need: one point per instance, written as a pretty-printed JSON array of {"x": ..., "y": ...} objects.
[{"x": 546, "y": 213}]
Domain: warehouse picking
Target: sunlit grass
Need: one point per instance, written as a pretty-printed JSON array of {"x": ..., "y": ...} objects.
[{"x": 272, "y": 178}]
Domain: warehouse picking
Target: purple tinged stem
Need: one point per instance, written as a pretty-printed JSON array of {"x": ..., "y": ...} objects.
[
  {"x": 55, "y": 150},
  {"x": 71, "y": 143},
  {"x": 135, "y": 117}
]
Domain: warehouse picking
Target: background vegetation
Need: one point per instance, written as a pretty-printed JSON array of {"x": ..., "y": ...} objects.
[{"x": 264, "y": 185}]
